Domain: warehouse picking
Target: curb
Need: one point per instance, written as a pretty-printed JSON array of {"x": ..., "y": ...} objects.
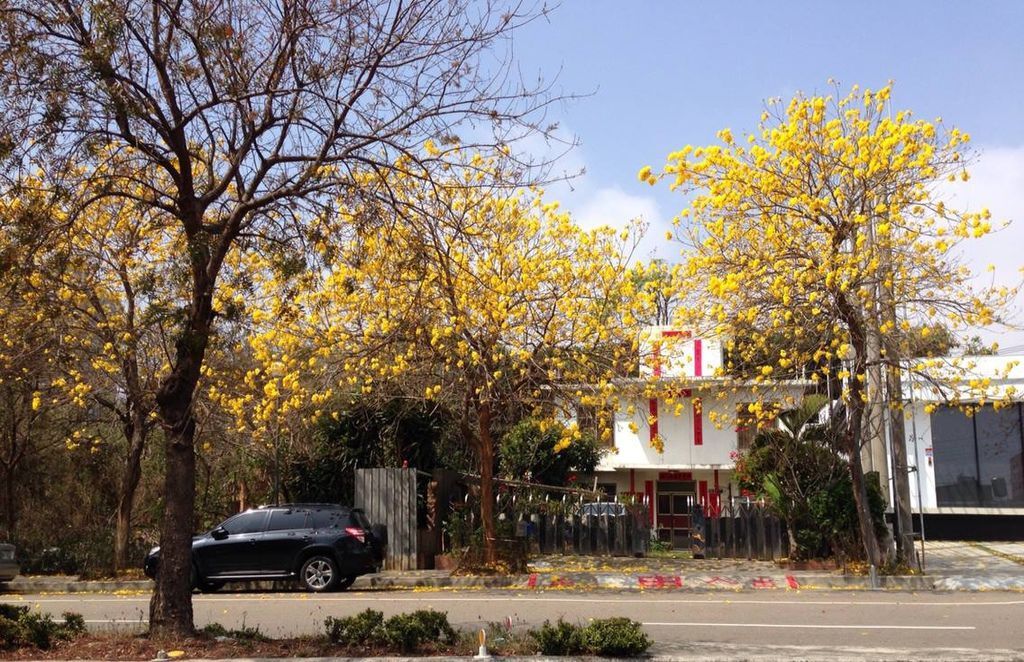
[{"x": 643, "y": 583}]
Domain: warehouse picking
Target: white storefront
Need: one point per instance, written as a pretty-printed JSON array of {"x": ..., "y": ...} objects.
[{"x": 969, "y": 465}]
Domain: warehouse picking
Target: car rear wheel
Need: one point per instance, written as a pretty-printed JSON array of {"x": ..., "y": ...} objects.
[{"x": 319, "y": 573}]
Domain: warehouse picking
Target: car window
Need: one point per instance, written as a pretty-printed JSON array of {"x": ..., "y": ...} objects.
[
  {"x": 330, "y": 519},
  {"x": 251, "y": 522},
  {"x": 286, "y": 520}
]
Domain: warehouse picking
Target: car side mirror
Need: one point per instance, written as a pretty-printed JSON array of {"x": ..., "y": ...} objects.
[{"x": 220, "y": 533}]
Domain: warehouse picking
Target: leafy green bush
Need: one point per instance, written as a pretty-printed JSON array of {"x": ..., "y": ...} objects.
[
  {"x": 215, "y": 630},
  {"x": 436, "y": 625},
  {"x": 559, "y": 639},
  {"x": 610, "y": 637},
  {"x": 615, "y": 637},
  {"x": 530, "y": 449},
  {"x": 804, "y": 475},
  {"x": 407, "y": 632},
  {"x": 12, "y": 633},
  {"x": 12, "y": 612},
  {"x": 74, "y": 625},
  {"x": 364, "y": 628},
  {"x": 404, "y": 632},
  {"x": 19, "y": 627}
]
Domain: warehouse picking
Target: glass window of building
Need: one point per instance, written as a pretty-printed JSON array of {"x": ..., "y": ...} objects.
[{"x": 978, "y": 460}]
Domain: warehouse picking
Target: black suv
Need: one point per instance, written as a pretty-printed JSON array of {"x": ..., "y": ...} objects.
[{"x": 325, "y": 546}]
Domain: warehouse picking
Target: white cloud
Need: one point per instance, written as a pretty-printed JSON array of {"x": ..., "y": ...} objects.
[
  {"x": 591, "y": 204},
  {"x": 615, "y": 207}
]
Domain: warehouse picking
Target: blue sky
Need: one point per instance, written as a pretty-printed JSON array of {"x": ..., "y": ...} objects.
[{"x": 666, "y": 74}]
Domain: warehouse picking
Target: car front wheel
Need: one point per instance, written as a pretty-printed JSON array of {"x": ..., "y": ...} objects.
[{"x": 319, "y": 573}]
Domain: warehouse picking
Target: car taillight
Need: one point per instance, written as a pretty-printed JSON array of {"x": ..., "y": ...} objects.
[{"x": 356, "y": 532}]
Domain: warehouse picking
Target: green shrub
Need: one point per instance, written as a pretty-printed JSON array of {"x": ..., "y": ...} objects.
[
  {"x": 242, "y": 634},
  {"x": 405, "y": 632},
  {"x": 12, "y": 633},
  {"x": 215, "y": 630},
  {"x": 530, "y": 448},
  {"x": 13, "y": 612},
  {"x": 610, "y": 637},
  {"x": 559, "y": 639},
  {"x": 19, "y": 627},
  {"x": 359, "y": 630},
  {"x": 615, "y": 637},
  {"x": 435, "y": 625},
  {"x": 41, "y": 629},
  {"x": 74, "y": 625}
]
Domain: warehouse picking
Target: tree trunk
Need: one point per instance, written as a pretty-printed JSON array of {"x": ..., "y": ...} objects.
[
  {"x": 487, "y": 482},
  {"x": 135, "y": 433},
  {"x": 901, "y": 477},
  {"x": 856, "y": 402},
  {"x": 10, "y": 512},
  {"x": 791, "y": 532},
  {"x": 170, "y": 609},
  {"x": 860, "y": 489}
]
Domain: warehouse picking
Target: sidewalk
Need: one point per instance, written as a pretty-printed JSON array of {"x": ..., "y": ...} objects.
[{"x": 950, "y": 566}]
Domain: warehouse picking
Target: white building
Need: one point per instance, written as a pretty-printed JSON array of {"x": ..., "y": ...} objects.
[
  {"x": 693, "y": 423},
  {"x": 970, "y": 466},
  {"x": 679, "y": 446}
]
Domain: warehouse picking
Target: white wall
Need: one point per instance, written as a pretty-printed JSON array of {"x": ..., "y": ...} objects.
[
  {"x": 634, "y": 448},
  {"x": 919, "y": 441}
]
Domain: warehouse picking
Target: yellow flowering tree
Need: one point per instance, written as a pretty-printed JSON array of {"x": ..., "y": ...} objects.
[
  {"x": 34, "y": 418},
  {"x": 819, "y": 240},
  {"x": 256, "y": 115},
  {"x": 488, "y": 298},
  {"x": 266, "y": 379},
  {"x": 116, "y": 289}
]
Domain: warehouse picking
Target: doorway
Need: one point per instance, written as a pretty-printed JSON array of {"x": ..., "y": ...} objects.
[{"x": 675, "y": 502}]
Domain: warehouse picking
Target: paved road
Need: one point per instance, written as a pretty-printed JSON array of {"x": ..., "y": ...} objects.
[{"x": 907, "y": 621}]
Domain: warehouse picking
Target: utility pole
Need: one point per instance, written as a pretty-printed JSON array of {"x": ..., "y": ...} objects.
[
  {"x": 873, "y": 453},
  {"x": 893, "y": 356}
]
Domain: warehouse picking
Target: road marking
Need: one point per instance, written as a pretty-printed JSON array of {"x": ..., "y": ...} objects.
[{"x": 820, "y": 626}]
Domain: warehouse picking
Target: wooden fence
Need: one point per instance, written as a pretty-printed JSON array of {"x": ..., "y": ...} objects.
[
  {"x": 389, "y": 497},
  {"x": 422, "y": 512},
  {"x": 575, "y": 525},
  {"x": 743, "y": 529}
]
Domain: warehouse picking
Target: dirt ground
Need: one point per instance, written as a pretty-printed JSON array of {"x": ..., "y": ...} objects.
[{"x": 128, "y": 647}]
